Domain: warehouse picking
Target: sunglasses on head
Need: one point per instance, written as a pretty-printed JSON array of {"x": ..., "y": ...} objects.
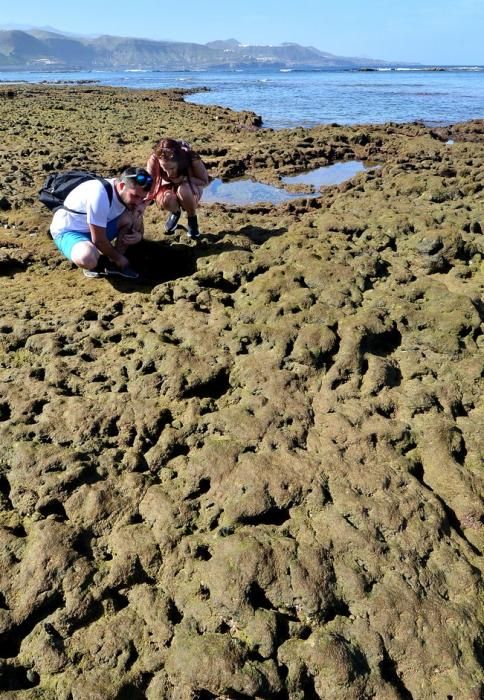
[{"x": 144, "y": 180}]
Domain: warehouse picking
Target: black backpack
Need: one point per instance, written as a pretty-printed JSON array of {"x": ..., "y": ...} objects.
[{"x": 58, "y": 185}]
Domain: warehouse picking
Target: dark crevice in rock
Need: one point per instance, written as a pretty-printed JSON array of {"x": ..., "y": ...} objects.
[
  {"x": 93, "y": 613},
  {"x": 235, "y": 695},
  {"x": 54, "y": 507},
  {"x": 260, "y": 235},
  {"x": 478, "y": 647},
  {"x": 204, "y": 593},
  {"x": 302, "y": 282},
  {"x": 338, "y": 608},
  {"x": 218, "y": 282},
  {"x": 111, "y": 428},
  {"x": 254, "y": 655},
  {"x": 455, "y": 524},
  {"x": 389, "y": 673},
  {"x": 215, "y": 522},
  {"x": 347, "y": 517},
  {"x": 82, "y": 544},
  {"x": 434, "y": 403},
  {"x": 204, "y": 695},
  {"x": 148, "y": 441},
  {"x": 259, "y": 270},
  {"x": 201, "y": 308},
  {"x": 325, "y": 493},
  {"x": 88, "y": 475},
  {"x": 382, "y": 268},
  {"x": 17, "y": 530},
  {"x": 305, "y": 633},
  {"x": 139, "y": 576},
  {"x": 203, "y": 487},
  {"x": 17, "y": 678},
  {"x": 479, "y": 306},
  {"x": 5, "y": 492},
  {"x": 132, "y": 657},
  {"x": 272, "y": 516},
  {"x": 369, "y": 585},
  {"x": 168, "y": 337},
  {"x": 141, "y": 465},
  {"x": 11, "y": 640},
  {"x": 257, "y": 598},
  {"x": 226, "y": 531},
  {"x": 459, "y": 452},
  {"x": 5, "y": 411},
  {"x": 381, "y": 344},
  {"x": 307, "y": 686},
  {"x": 393, "y": 376},
  {"x": 133, "y": 692},
  {"x": 118, "y": 600},
  {"x": 174, "y": 615},
  {"x": 66, "y": 390},
  {"x": 406, "y": 445},
  {"x": 325, "y": 360},
  {"x": 55, "y": 638},
  {"x": 177, "y": 449},
  {"x": 458, "y": 410},
  {"x": 289, "y": 348},
  {"x": 249, "y": 448},
  {"x": 214, "y": 388},
  {"x": 3, "y": 602},
  {"x": 342, "y": 379},
  {"x": 37, "y": 373}
]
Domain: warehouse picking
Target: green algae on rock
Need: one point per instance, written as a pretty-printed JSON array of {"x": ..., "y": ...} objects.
[{"x": 258, "y": 472}]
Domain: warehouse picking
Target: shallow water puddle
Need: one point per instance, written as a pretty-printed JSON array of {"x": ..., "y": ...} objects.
[
  {"x": 250, "y": 191},
  {"x": 328, "y": 175}
]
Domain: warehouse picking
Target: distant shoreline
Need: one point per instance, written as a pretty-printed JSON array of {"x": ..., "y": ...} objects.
[{"x": 255, "y": 69}]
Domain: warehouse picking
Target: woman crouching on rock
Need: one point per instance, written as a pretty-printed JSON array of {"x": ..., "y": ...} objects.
[{"x": 179, "y": 177}]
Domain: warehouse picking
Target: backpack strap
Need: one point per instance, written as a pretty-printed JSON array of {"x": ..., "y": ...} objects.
[{"x": 109, "y": 191}]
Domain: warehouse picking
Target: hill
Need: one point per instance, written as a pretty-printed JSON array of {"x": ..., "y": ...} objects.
[{"x": 39, "y": 48}]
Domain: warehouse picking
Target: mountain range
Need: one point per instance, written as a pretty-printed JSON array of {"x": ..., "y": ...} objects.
[{"x": 43, "y": 49}]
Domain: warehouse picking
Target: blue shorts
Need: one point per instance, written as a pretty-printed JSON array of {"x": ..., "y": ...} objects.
[{"x": 66, "y": 240}]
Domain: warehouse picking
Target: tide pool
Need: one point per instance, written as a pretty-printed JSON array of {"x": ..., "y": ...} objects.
[{"x": 249, "y": 191}]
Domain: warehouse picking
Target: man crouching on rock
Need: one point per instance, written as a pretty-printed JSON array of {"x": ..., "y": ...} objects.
[{"x": 95, "y": 213}]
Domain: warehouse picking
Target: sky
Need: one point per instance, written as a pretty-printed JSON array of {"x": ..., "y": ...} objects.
[{"x": 439, "y": 32}]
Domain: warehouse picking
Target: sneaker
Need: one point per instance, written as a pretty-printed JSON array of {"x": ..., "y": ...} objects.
[
  {"x": 193, "y": 231},
  {"x": 94, "y": 273},
  {"x": 127, "y": 272},
  {"x": 172, "y": 221},
  {"x": 99, "y": 270}
]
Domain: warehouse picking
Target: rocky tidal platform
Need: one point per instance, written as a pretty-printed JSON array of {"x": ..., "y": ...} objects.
[{"x": 258, "y": 472}]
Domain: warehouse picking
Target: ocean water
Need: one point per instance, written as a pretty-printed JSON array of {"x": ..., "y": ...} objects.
[{"x": 306, "y": 98}]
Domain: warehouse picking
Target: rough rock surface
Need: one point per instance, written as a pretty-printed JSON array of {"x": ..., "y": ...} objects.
[{"x": 257, "y": 473}]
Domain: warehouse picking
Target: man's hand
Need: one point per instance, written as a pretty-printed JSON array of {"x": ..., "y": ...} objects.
[
  {"x": 130, "y": 237},
  {"x": 120, "y": 260}
]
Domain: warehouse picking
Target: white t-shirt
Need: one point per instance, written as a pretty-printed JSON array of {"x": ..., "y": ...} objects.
[{"x": 89, "y": 197}]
